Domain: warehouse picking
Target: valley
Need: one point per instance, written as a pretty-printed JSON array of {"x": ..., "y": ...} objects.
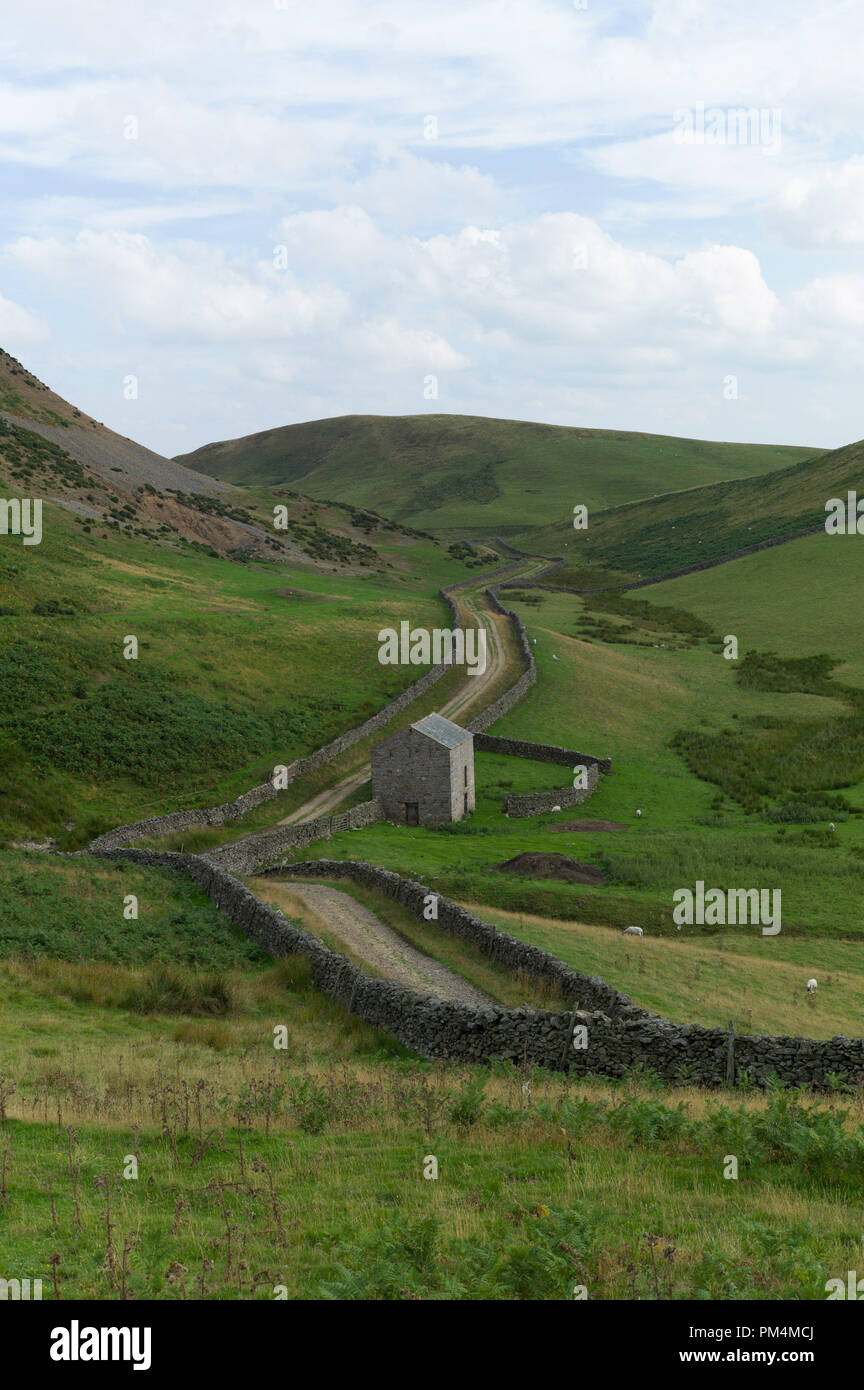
[{"x": 154, "y": 1033}]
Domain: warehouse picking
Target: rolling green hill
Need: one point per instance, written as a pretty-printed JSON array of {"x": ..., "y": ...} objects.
[
  {"x": 659, "y": 535},
  {"x": 255, "y": 645},
  {"x": 471, "y": 475}
]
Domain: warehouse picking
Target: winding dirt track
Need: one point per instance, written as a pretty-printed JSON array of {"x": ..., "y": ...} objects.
[
  {"x": 366, "y": 936},
  {"x": 469, "y": 698}
]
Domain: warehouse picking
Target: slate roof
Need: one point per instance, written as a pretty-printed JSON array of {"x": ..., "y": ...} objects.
[{"x": 442, "y": 730}]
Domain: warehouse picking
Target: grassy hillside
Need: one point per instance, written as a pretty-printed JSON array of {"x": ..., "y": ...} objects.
[
  {"x": 52, "y": 450},
  {"x": 468, "y": 474},
  {"x": 239, "y": 667},
  {"x": 661, "y": 534},
  {"x": 806, "y": 595},
  {"x": 255, "y": 645}
]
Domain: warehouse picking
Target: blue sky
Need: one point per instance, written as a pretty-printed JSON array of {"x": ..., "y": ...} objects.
[{"x": 268, "y": 212}]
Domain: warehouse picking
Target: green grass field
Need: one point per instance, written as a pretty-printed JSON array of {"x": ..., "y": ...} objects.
[{"x": 807, "y": 600}]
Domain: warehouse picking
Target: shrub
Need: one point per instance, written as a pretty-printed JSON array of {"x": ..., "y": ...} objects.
[{"x": 165, "y": 991}]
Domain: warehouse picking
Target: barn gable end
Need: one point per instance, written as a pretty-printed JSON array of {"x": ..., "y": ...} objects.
[{"x": 424, "y": 775}]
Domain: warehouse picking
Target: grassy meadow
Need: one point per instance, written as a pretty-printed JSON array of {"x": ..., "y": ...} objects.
[
  {"x": 808, "y": 600},
  {"x": 299, "y": 1172}
]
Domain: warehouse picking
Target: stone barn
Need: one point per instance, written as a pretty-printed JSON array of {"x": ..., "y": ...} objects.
[{"x": 424, "y": 775}]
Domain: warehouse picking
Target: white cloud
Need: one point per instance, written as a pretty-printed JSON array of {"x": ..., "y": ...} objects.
[
  {"x": 192, "y": 292},
  {"x": 824, "y": 209},
  {"x": 19, "y": 329},
  {"x": 536, "y": 298},
  {"x": 483, "y": 255},
  {"x": 409, "y": 192},
  {"x": 834, "y": 301}
]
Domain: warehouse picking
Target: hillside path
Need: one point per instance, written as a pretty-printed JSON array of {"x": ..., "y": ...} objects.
[
  {"x": 467, "y": 701},
  {"x": 379, "y": 946}
]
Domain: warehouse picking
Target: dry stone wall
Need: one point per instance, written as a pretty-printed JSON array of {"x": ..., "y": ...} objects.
[
  {"x": 535, "y": 803},
  {"x": 248, "y": 855},
  {"x": 539, "y": 752},
  {"x": 521, "y": 686},
  {"x": 618, "y": 1036}
]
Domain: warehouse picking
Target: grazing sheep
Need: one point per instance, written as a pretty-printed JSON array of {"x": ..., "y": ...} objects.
[
  {"x": 632, "y": 931},
  {"x": 638, "y": 813},
  {"x": 554, "y": 658},
  {"x": 812, "y": 986},
  {"x": 831, "y": 826},
  {"x": 556, "y": 808}
]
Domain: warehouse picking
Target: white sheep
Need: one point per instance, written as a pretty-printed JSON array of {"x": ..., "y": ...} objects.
[
  {"x": 638, "y": 814},
  {"x": 632, "y": 931},
  {"x": 554, "y": 658},
  {"x": 831, "y": 826},
  {"x": 556, "y": 808},
  {"x": 812, "y": 986}
]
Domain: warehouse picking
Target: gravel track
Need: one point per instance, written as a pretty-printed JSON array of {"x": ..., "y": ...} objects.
[{"x": 381, "y": 947}]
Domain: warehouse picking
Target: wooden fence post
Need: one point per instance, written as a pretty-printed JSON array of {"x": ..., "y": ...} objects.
[{"x": 730, "y": 1054}]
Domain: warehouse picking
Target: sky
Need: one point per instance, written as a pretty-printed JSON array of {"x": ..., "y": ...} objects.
[{"x": 221, "y": 216}]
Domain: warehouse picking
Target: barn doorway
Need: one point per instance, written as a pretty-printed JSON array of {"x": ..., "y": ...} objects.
[{"x": 412, "y": 813}]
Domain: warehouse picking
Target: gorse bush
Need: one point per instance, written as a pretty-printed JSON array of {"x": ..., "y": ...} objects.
[
  {"x": 810, "y": 674},
  {"x": 653, "y": 616},
  {"x": 806, "y": 809}
]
